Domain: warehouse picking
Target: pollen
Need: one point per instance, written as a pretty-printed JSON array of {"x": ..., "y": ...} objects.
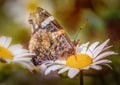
[
  {"x": 79, "y": 61},
  {"x": 4, "y": 53},
  {"x": 32, "y": 6}
]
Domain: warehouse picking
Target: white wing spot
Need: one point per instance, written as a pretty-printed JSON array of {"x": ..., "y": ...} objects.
[
  {"x": 47, "y": 21},
  {"x": 36, "y": 26}
]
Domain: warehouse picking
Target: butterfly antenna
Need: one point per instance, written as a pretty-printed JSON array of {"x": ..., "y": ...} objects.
[
  {"x": 76, "y": 41},
  {"x": 81, "y": 27},
  {"x": 75, "y": 38}
]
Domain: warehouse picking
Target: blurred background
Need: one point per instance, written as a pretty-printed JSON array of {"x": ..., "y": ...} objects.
[{"x": 97, "y": 19}]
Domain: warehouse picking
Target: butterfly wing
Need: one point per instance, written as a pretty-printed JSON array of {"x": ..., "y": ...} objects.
[{"x": 48, "y": 40}]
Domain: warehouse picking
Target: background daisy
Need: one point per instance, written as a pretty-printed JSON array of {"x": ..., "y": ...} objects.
[
  {"x": 19, "y": 10},
  {"x": 14, "y": 53},
  {"x": 86, "y": 57}
]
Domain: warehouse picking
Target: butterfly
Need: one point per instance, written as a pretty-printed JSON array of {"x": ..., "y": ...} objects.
[{"x": 48, "y": 39}]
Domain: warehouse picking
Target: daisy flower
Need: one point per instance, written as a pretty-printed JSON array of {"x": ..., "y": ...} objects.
[
  {"x": 86, "y": 57},
  {"x": 14, "y": 53},
  {"x": 19, "y": 10}
]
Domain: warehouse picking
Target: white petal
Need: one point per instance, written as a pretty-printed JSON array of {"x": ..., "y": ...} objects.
[
  {"x": 3, "y": 40},
  {"x": 100, "y": 48},
  {"x": 63, "y": 70},
  {"x": 61, "y": 62},
  {"x": 107, "y": 47},
  {"x": 79, "y": 49},
  {"x": 19, "y": 51},
  {"x": 15, "y": 47},
  {"x": 48, "y": 63},
  {"x": 108, "y": 66},
  {"x": 26, "y": 65},
  {"x": 7, "y": 42},
  {"x": 7, "y": 60},
  {"x": 22, "y": 59},
  {"x": 91, "y": 48},
  {"x": 103, "y": 55},
  {"x": 96, "y": 67},
  {"x": 56, "y": 67},
  {"x": 84, "y": 47},
  {"x": 48, "y": 70},
  {"x": 102, "y": 61},
  {"x": 43, "y": 67},
  {"x": 86, "y": 68},
  {"x": 53, "y": 68},
  {"x": 24, "y": 54},
  {"x": 73, "y": 72},
  {"x": 90, "y": 54}
]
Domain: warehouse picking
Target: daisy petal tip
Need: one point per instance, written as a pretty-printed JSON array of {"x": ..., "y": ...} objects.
[
  {"x": 72, "y": 73},
  {"x": 108, "y": 66},
  {"x": 71, "y": 76},
  {"x": 109, "y": 61},
  {"x": 60, "y": 72},
  {"x": 99, "y": 69},
  {"x": 108, "y": 40},
  {"x": 46, "y": 73},
  {"x": 115, "y": 53}
]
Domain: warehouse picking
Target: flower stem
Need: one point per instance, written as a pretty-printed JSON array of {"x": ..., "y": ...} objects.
[{"x": 81, "y": 77}]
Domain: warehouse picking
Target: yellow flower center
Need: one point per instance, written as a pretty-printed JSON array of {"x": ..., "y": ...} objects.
[
  {"x": 32, "y": 6},
  {"x": 4, "y": 53},
  {"x": 79, "y": 61}
]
